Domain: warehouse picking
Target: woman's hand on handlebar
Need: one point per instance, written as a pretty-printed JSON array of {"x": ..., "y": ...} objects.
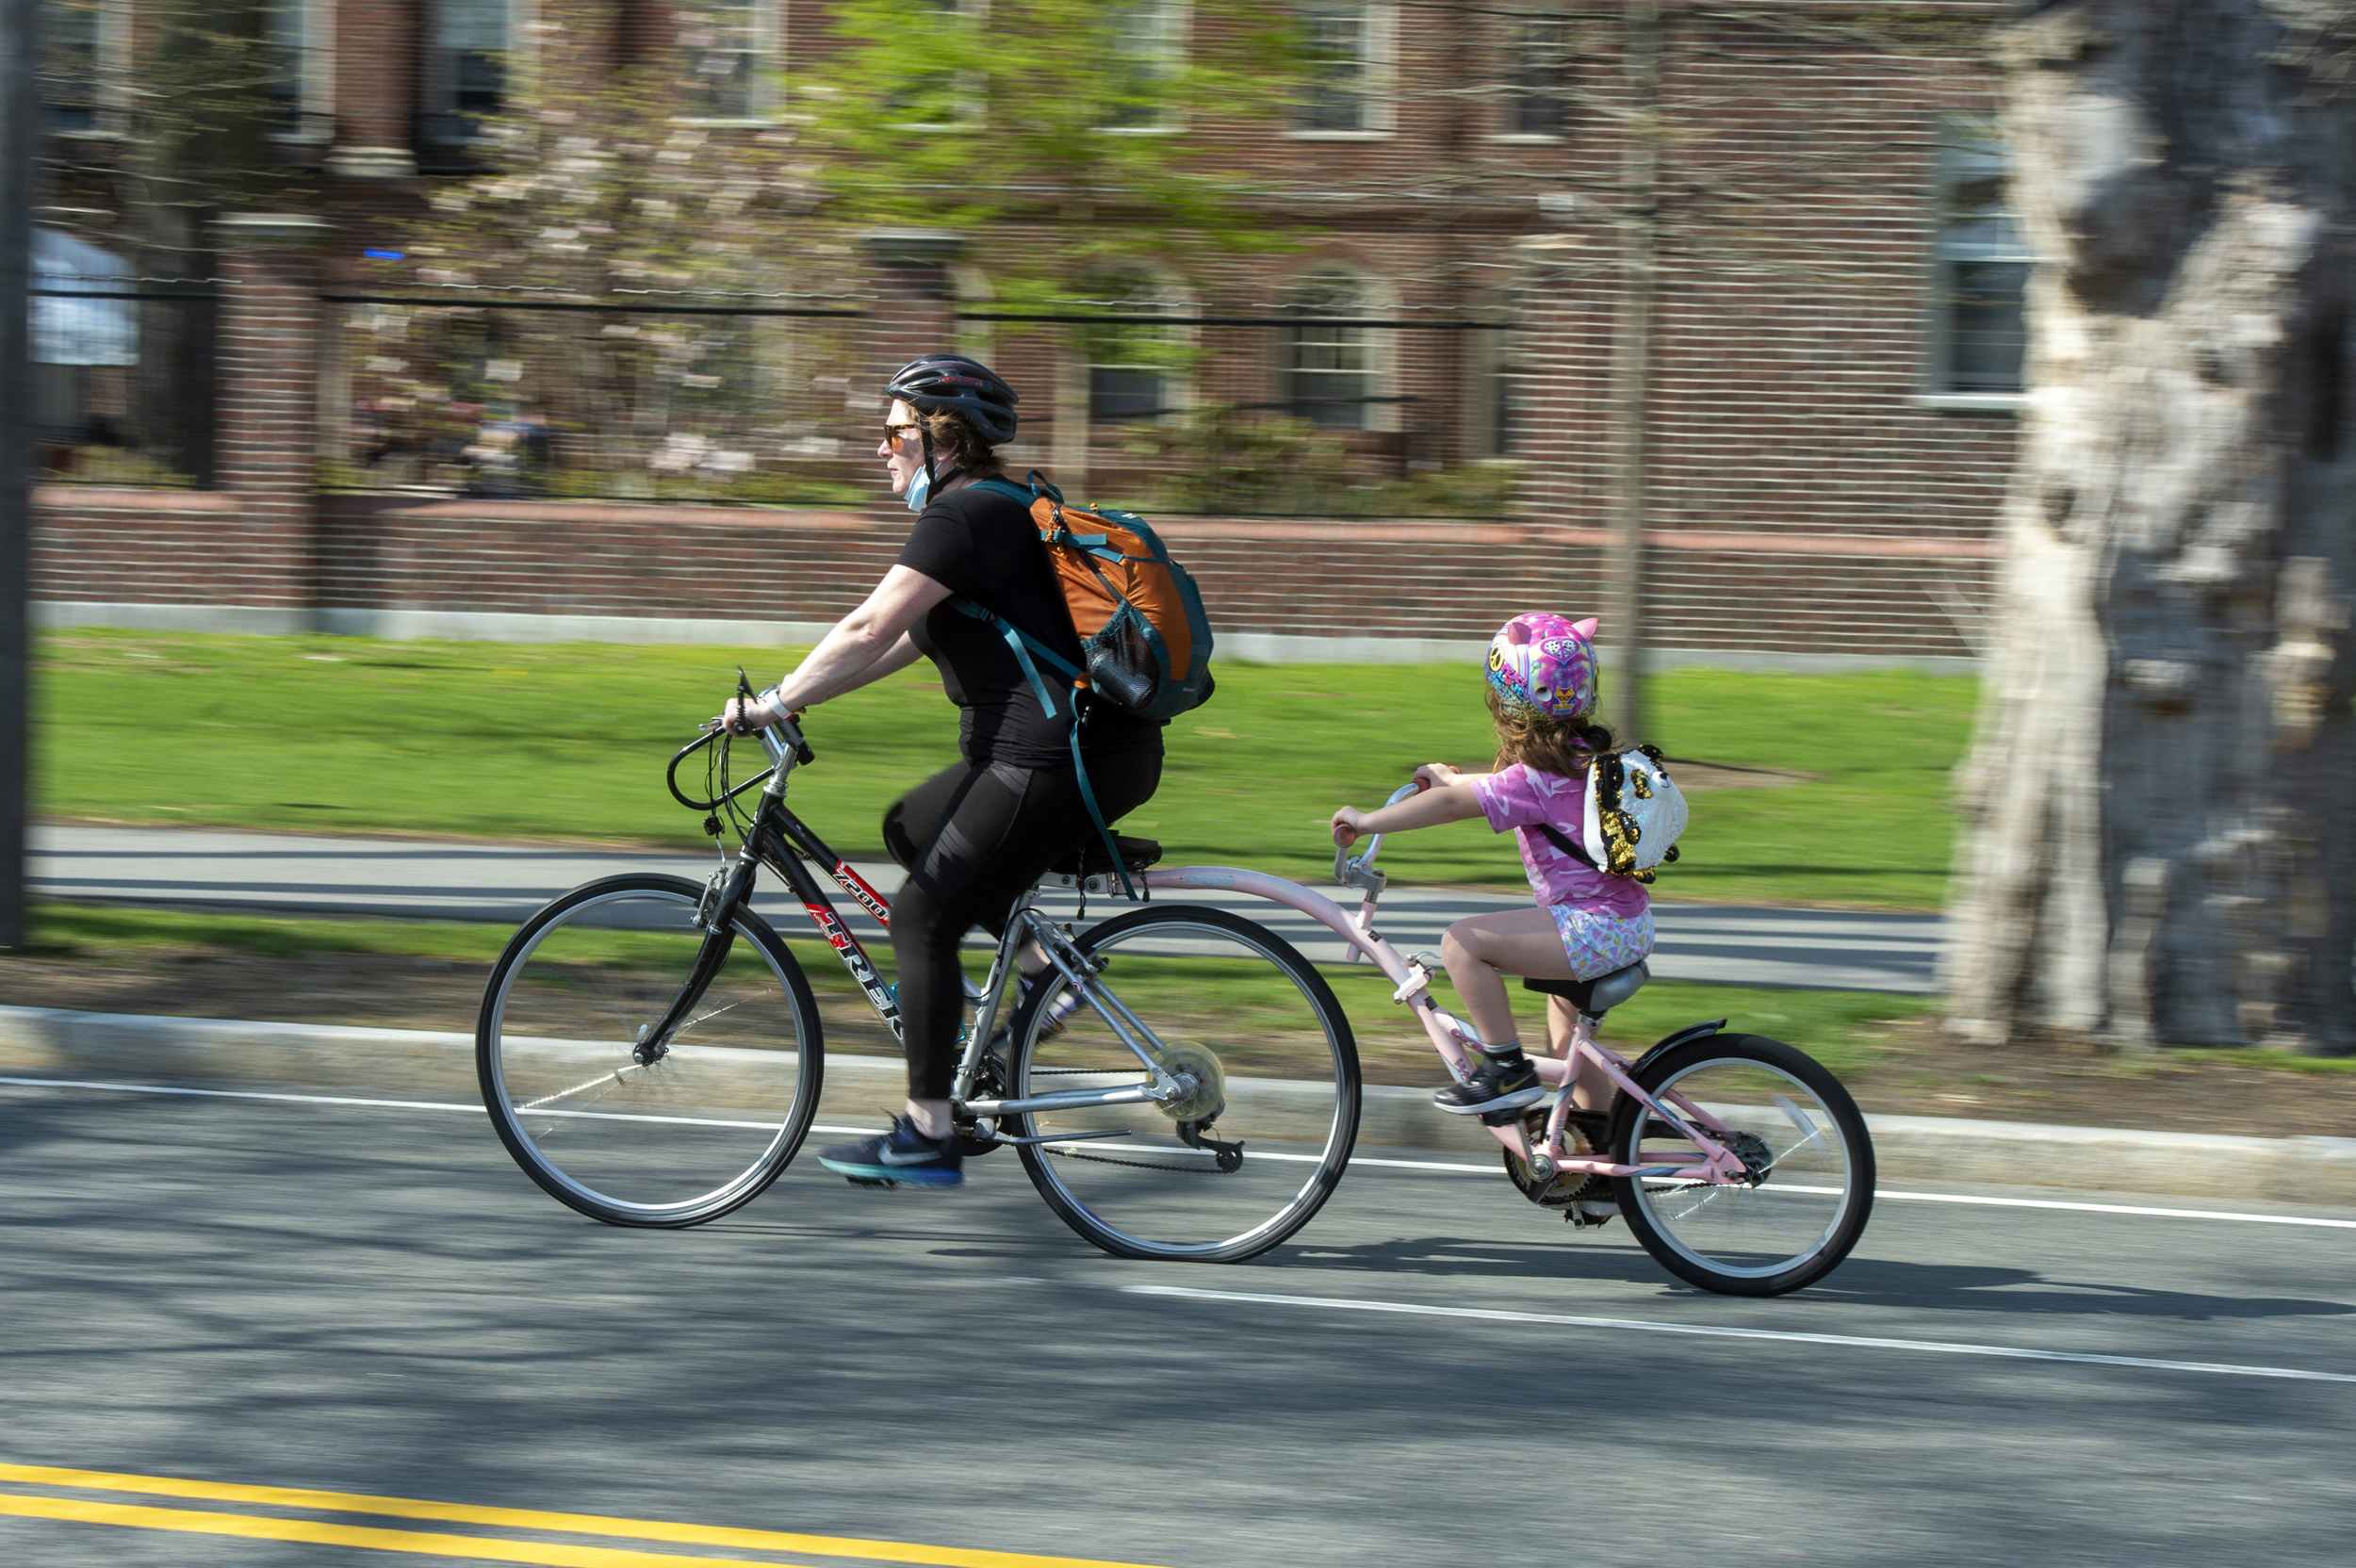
[{"x": 748, "y": 715}]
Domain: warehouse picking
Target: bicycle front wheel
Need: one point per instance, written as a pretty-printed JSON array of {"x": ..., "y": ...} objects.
[
  {"x": 630, "y": 1136},
  {"x": 1263, "y": 1130},
  {"x": 1796, "y": 1129}
]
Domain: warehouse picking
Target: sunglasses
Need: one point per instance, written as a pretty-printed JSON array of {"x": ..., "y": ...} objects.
[{"x": 893, "y": 433}]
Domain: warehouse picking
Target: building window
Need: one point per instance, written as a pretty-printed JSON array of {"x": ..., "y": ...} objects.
[
  {"x": 469, "y": 46},
  {"x": 730, "y": 46},
  {"x": 82, "y": 42},
  {"x": 1981, "y": 269},
  {"x": 1146, "y": 46},
  {"x": 1536, "y": 76},
  {"x": 1132, "y": 363},
  {"x": 1347, "y": 45},
  {"x": 298, "y": 45},
  {"x": 1329, "y": 368}
]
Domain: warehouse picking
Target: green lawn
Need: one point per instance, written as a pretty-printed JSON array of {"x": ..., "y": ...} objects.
[{"x": 330, "y": 734}]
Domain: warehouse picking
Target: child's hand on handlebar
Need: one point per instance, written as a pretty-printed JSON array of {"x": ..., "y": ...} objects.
[
  {"x": 1436, "y": 775},
  {"x": 1346, "y": 824}
]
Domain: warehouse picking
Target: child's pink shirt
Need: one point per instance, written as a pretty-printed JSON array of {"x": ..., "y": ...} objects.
[{"x": 1521, "y": 797}]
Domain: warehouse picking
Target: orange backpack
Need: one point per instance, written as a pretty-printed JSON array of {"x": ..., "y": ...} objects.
[{"x": 1144, "y": 638}]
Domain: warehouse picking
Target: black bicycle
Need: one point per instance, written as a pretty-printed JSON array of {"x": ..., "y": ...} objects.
[{"x": 1182, "y": 1084}]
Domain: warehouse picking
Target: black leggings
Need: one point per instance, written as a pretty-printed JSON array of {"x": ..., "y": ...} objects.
[{"x": 973, "y": 837}]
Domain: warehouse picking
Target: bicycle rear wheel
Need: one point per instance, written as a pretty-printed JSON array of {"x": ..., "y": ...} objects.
[
  {"x": 1797, "y": 1130},
  {"x": 675, "y": 1141},
  {"x": 1258, "y": 1037}
]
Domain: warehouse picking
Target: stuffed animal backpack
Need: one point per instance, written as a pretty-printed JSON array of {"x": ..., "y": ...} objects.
[{"x": 1633, "y": 814}]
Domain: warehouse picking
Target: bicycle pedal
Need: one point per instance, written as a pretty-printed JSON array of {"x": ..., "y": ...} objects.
[{"x": 870, "y": 1182}]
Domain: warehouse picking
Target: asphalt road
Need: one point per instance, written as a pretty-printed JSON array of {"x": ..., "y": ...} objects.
[
  {"x": 371, "y": 1299},
  {"x": 1850, "y": 949}
]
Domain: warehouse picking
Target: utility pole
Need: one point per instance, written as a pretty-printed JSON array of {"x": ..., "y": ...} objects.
[
  {"x": 19, "y": 122},
  {"x": 1632, "y": 364}
]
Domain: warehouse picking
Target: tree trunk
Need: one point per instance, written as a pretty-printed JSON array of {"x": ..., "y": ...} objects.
[{"x": 2163, "y": 785}]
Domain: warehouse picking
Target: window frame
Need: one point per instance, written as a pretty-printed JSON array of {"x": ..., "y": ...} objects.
[
  {"x": 767, "y": 90},
  {"x": 1163, "y": 294},
  {"x": 1961, "y": 150},
  {"x": 1380, "y": 348},
  {"x": 1515, "y": 88},
  {"x": 314, "y": 99},
  {"x": 1172, "y": 39},
  {"x": 437, "y": 109},
  {"x": 110, "y": 74},
  {"x": 1378, "y": 99}
]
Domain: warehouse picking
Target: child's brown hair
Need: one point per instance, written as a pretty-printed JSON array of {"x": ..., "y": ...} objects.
[{"x": 1556, "y": 745}]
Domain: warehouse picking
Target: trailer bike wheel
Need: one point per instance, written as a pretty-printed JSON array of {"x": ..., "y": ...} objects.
[
  {"x": 624, "y": 1128},
  {"x": 1797, "y": 1131},
  {"x": 1262, "y": 1129}
]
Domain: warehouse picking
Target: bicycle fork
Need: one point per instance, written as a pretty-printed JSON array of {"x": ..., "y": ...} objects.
[{"x": 715, "y": 913}]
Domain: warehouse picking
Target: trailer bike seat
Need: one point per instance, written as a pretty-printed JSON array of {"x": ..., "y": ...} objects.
[{"x": 1596, "y": 997}]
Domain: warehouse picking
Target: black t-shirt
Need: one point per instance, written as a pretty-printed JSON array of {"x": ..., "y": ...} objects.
[{"x": 983, "y": 546}]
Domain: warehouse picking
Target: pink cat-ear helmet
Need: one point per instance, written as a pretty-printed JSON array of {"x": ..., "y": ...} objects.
[{"x": 1544, "y": 663}]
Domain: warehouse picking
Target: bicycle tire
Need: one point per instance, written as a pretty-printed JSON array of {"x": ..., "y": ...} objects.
[
  {"x": 1789, "y": 1229},
  {"x": 1304, "y": 1126},
  {"x": 674, "y": 1143}
]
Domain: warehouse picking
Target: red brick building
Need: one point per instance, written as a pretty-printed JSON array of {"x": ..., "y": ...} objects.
[{"x": 1834, "y": 345}]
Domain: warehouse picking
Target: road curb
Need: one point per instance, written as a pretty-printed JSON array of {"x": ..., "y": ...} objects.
[{"x": 63, "y": 1043}]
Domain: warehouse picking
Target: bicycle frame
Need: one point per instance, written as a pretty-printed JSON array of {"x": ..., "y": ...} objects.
[{"x": 789, "y": 846}]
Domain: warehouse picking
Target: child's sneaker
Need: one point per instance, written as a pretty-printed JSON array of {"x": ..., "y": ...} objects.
[{"x": 1498, "y": 1084}]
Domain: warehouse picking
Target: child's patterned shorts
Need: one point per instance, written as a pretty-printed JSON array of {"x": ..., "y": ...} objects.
[{"x": 1599, "y": 943}]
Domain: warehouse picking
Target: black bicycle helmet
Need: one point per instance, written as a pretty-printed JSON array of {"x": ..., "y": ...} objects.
[{"x": 952, "y": 383}]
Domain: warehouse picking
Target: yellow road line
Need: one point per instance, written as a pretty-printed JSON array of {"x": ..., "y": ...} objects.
[
  {"x": 417, "y": 1543},
  {"x": 517, "y": 1518}
]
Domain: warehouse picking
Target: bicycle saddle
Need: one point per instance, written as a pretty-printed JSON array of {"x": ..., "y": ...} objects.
[
  {"x": 1597, "y": 996},
  {"x": 1088, "y": 859}
]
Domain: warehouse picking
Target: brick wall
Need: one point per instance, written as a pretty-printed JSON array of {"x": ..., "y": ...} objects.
[{"x": 1805, "y": 499}]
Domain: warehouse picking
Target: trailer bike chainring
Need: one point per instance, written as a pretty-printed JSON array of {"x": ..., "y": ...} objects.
[{"x": 1580, "y": 1198}]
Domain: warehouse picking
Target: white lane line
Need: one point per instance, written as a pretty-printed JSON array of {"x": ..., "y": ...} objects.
[
  {"x": 1709, "y": 1331},
  {"x": 242, "y": 1094},
  {"x": 1880, "y": 1194}
]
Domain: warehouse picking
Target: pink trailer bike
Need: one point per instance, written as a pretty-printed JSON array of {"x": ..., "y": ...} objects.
[{"x": 1182, "y": 1084}]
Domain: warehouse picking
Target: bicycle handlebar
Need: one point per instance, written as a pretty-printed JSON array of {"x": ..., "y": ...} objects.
[
  {"x": 1344, "y": 862},
  {"x": 780, "y": 740}
]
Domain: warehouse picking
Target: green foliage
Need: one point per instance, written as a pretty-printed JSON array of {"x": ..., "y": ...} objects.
[
  {"x": 1069, "y": 112},
  {"x": 568, "y": 743}
]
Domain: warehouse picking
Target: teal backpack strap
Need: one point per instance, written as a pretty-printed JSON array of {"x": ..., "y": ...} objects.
[
  {"x": 1096, "y": 814},
  {"x": 1023, "y": 648}
]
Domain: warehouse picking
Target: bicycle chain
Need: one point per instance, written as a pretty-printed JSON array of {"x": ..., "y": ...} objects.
[
  {"x": 1137, "y": 1164},
  {"x": 1108, "y": 1159}
]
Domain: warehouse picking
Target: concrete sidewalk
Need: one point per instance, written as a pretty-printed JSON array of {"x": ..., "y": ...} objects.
[{"x": 53, "y": 1043}]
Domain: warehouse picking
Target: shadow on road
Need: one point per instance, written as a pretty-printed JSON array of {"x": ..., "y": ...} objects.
[{"x": 1861, "y": 1282}]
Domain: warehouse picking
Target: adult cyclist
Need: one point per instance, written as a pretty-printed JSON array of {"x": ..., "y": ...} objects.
[{"x": 977, "y": 834}]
